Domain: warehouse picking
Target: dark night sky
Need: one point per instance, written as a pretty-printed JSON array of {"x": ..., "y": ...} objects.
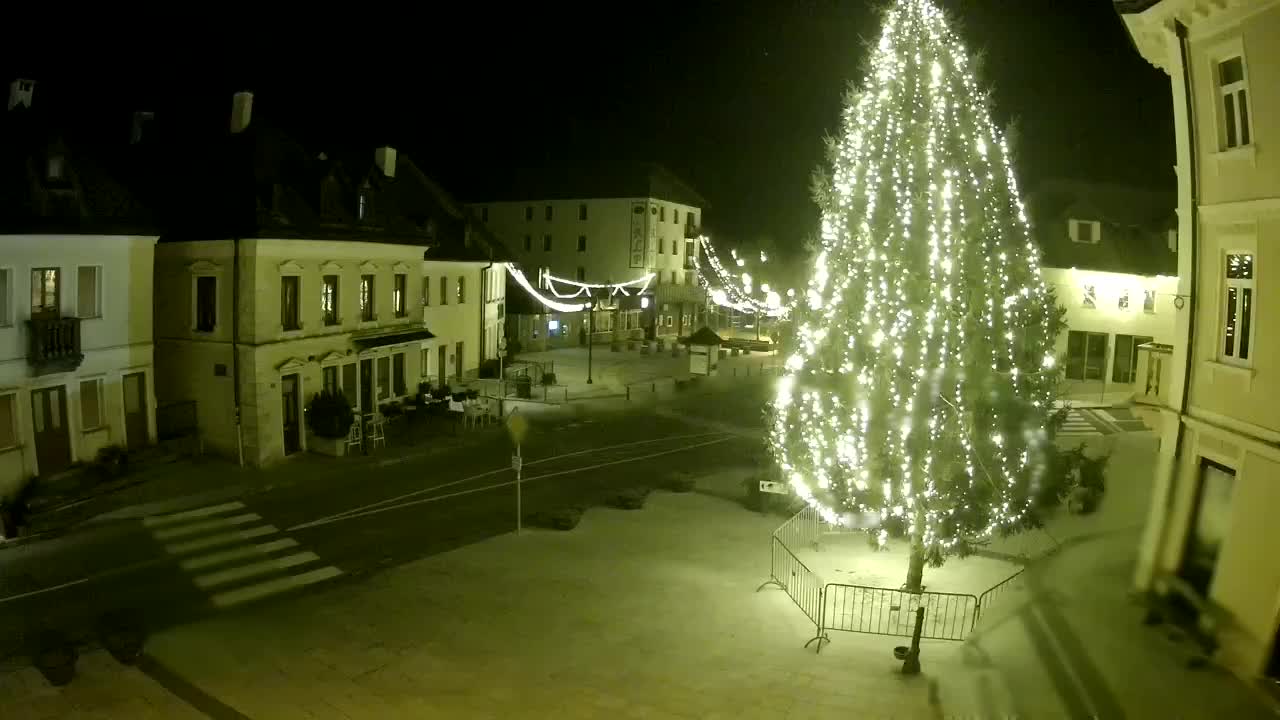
[{"x": 735, "y": 97}]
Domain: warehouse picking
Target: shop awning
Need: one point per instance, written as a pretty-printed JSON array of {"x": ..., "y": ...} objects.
[{"x": 366, "y": 342}]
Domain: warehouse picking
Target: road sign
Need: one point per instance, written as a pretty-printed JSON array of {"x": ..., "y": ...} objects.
[
  {"x": 515, "y": 463},
  {"x": 776, "y": 488},
  {"x": 517, "y": 427}
]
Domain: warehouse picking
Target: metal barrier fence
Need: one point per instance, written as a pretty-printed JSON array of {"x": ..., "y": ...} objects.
[
  {"x": 799, "y": 583},
  {"x": 991, "y": 594},
  {"x": 803, "y": 528},
  {"x": 882, "y": 611}
]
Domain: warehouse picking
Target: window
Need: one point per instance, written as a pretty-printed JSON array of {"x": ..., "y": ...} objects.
[
  {"x": 675, "y": 247},
  {"x": 384, "y": 377},
  {"x": 397, "y": 374},
  {"x": 1122, "y": 303},
  {"x": 484, "y": 214},
  {"x": 329, "y": 299},
  {"x": 444, "y": 290},
  {"x": 349, "y": 383},
  {"x": 582, "y": 243},
  {"x": 362, "y": 207},
  {"x": 675, "y": 216},
  {"x": 662, "y": 246},
  {"x": 366, "y": 299},
  {"x": 1086, "y": 355},
  {"x": 329, "y": 379},
  {"x": 462, "y": 290},
  {"x": 1124, "y": 367},
  {"x": 398, "y": 295},
  {"x": 88, "y": 291},
  {"x": 1237, "y": 325},
  {"x": 289, "y": 302},
  {"x": 426, "y": 362},
  {"x": 1234, "y": 90},
  {"x": 45, "y": 291},
  {"x": 1090, "y": 296},
  {"x": 528, "y": 212},
  {"x": 206, "y": 303},
  {"x": 8, "y": 421},
  {"x": 6, "y": 317},
  {"x": 662, "y": 213},
  {"x": 426, "y": 291},
  {"x": 91, "y": 404},
  {"x": 673, "y": 277},
  {"x": 55, "y": 167},
  {"x": 547, "y": 212},
  {"x": 582, "y": 274},
  {"x": 1085, "y": 231},
  {"x": 546, "y": 243},
  {"x": 582, "y": 211},
  {"x": 1149, "y": 301},
  {"x": 528, "y": 243}
]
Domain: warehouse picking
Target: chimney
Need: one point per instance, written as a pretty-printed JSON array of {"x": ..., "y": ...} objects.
[
  {"x": 241, "y": 111},
  {"x": 386, "y": 159},
  {"x": 140, "y": 120},
  {"x": 20, "y": 93}
]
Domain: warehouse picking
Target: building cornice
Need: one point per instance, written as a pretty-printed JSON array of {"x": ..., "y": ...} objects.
[
  {"x": 1151, "y": 24},
  {"x": 1241, "y": 209}
]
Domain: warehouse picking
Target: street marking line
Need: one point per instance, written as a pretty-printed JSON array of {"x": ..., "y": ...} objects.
[
  {"x": 223, "y": 539},
  {"x": 159, "y": 520},
  {"x": 353, "y": 515},
  {"x": 205, "y": 526},
  {"x": 243, "y": 572},
  {"x": 42, "y": 591},
  {"x": 224, "y": 556},
  {"x": 272, "y": 587},
  {"x": 501, "y": 470}
]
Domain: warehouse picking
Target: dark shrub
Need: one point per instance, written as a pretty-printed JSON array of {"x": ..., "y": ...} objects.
[
  {"x": 549, "y": 378},
  {"x": 632, "y": 499},
  {"x": 681, "y": 483},
  {"x": 562, "y": 519},
  {"x": 55, "y": 657},
  {"x": 123, "y": 635},
  {"x": 111, "y": 462},
  {"x": 329, "y": 415}
]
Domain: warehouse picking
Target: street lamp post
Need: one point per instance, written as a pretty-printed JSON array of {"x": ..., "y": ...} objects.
[{"x": 591, "y": 330}]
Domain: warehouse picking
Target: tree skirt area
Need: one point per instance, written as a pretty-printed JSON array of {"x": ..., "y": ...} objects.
[{"x": 650, "y": 613}]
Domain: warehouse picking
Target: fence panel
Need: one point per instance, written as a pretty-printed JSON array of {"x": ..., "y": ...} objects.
[
  {"x": 987, "y": 599},
  {"x": 882, "y": 611},
  {"x": 805, "y": 528},
  {"x": 800, "y": 584}
]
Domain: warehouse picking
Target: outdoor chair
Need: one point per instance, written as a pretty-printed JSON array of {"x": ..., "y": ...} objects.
[
  {"x": 377, "y": 430},
  {"x": 354, "y": 437}
]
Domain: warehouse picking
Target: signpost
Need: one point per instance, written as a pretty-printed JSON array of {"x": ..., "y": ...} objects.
[
  {"x": 776, "y": 488},
  {"x": 517, "y": 428}
]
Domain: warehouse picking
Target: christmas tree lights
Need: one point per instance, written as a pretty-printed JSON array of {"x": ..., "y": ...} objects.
[
  {"x": 922, "y": 386},
  {"x": 734, "y": 290}
]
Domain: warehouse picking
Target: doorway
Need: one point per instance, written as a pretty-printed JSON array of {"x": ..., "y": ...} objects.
[
  {"x": 49, "y": 424},
  {"x": 1125, "y": 367},
  {"x": 289, "y": 414},
  {"x": 366, "y": 386},
  {"x": 457, "y": 361},
  {"x": 1210, "y": 522},
  {"x": 1086, "y": 355},
  {"x": 442, "y": 362},
  {"x": 135, "y": 410}
]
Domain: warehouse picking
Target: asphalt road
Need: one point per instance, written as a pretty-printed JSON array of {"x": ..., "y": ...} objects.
[{"x": 363, "y": 515}]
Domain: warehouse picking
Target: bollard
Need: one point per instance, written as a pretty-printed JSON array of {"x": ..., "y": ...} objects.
[{"x": 911, "y": 665}]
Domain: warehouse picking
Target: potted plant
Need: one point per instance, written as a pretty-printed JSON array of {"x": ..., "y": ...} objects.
[
  {"x": 55, "y": 657},
  {"x": 329, "y": 417},
  {"x": 111, "y": 462},
  {"x": 123, "y": 635}
]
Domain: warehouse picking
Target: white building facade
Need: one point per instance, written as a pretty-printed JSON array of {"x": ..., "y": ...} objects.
[{"x": 1211, "y": 533}]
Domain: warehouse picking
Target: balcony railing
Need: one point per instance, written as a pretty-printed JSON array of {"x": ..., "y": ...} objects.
[{"x": 53, "y": 344}]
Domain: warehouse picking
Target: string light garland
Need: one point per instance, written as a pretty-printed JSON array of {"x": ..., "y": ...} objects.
[
  {"x": 518, "y": 275},
  {"x": 638, "y": 285},
  {"x": 734, "y": 291},
  {"x": 923, "y": 380}
]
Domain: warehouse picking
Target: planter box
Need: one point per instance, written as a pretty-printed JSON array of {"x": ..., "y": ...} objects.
[{"x": 333, "y": 447}]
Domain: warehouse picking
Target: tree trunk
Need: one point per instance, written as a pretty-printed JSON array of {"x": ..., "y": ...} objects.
[{"x": 915, "y": 569}]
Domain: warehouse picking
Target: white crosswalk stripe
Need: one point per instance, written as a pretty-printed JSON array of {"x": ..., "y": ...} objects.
[
  {"x": 234, "y": 555},
  {"x": 1077, "y": 426}
]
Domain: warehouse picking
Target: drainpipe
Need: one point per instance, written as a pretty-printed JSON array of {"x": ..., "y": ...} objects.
[
  {"x": 235, "y": 345},
  {"x": 484, "y": 304},
  {"x": 1194, "y": 225}
]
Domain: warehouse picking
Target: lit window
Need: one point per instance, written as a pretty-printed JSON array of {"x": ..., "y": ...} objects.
[
  {"x": 1234, "y": 91},
  {"x": 398, "y": 292},
  {"x": 1237, "y": 317},
  {"x": 1085, "y": 231},
  {"x": 1123, "y": 302},
  {"x": 462, "y": 290},
  {"x": 366, "y": 298},
  {"x": 1149, "y": 301},
  {"x": 1090, "y": 296},
  {"x": 329, "y": 299}
]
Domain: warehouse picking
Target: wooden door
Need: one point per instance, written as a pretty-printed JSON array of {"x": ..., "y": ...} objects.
[
  {"x": 289, "y": 414},
  {"x": 49, "y": 425},
  {"x": 366, "y": 385},
  {"x": 135, "y": 410}
]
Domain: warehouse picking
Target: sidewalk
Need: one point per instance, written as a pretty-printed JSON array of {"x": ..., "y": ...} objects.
[{"x": 611, "y": 371}]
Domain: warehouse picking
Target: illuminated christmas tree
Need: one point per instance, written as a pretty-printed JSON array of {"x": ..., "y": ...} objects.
[{"x": 920, "y": 396}]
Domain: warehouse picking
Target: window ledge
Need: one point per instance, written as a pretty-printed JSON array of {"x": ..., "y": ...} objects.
[
  {"x": 1240, "y": 371},
  {"x": 94, "y": 429},
  {"x": 1236, "y": 154}
]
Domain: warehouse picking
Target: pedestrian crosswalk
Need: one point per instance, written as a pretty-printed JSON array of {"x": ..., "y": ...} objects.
[
  {"x": 233, "y": 555},
  {"x": 1079, "y": 425}
]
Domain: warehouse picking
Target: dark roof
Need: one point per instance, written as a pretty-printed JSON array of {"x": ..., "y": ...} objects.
[
  {"x": 263, "y": 183},
  {"x": 588, "y": 181},
  {"x": 87, "y": 198},
  {"x": 704, "y": 336},
  {"x": 1135, "y": 227}
]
